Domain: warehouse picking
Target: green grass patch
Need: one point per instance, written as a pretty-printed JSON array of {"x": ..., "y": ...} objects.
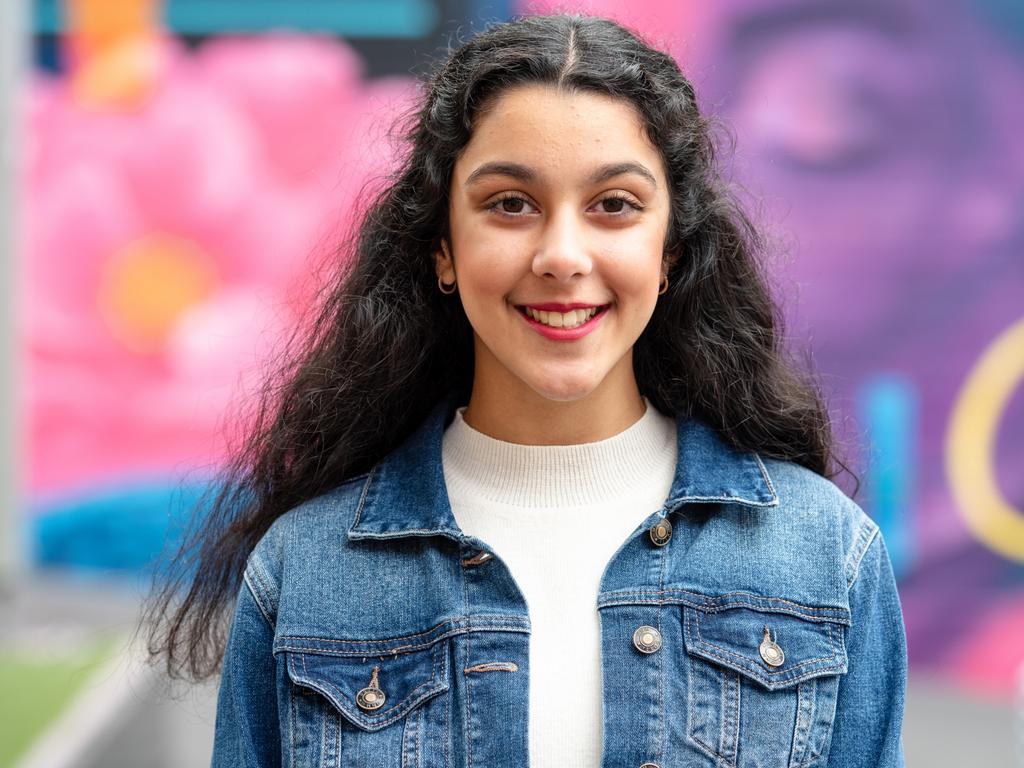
[{"x": 38, "y": 687}]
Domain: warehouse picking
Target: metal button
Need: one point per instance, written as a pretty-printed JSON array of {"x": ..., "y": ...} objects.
[
  {"x": 661, "y": 532},
  {"x": 770, "y": 650},
  {"x": 650, "y": 765},
  {"x": 647, "y": 639},
  {"x": 371, "y": 697}
]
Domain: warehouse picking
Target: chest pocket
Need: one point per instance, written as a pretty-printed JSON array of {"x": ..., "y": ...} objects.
[
  {"x": 762, "y": 686},
  {"x": 380, "y": 709}
]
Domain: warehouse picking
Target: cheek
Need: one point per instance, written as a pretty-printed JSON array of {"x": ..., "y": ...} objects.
[
  {"x": 635, "y": 273},
  {"x": 486, "y": 279}
]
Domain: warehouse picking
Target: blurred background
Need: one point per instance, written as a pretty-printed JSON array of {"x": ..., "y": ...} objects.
[{"x": 172, "y": 171}]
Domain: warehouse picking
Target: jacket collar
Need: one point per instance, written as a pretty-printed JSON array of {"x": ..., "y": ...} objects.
[{"x": 405, "y": 493}]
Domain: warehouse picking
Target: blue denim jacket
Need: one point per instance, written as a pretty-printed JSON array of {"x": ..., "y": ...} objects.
[{"x": 371, "y": 631}]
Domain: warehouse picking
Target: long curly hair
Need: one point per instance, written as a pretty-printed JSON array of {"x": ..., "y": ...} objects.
[{"x": 386, "y": 345}]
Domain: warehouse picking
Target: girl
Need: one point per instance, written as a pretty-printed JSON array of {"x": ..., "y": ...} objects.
[{"x": 543, "y": 489}]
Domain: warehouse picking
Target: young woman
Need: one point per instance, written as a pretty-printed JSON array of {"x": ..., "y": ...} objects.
[{"x": 542, "y": 489}]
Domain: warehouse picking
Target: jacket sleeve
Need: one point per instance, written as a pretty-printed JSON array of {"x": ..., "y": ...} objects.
[
  {"x": 247, "y": 732},
  {"x": 869, "y": 710}
]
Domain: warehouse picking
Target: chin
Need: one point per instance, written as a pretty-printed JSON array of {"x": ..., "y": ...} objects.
[{"x": 564, "y": 391}]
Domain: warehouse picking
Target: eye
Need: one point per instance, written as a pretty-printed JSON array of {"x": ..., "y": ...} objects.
[
  {"x": 619, "y": 204},
  {"x": 510, "y": 205}
]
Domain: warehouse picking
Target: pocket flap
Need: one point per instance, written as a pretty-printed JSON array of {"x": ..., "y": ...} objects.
[
  {"x": 733, "y": 638},
  {"x": 405, "y": 680}
]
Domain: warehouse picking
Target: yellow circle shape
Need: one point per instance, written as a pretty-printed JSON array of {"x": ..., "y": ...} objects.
[
  {"x": 146, "y": 287},
  {"x": 971, "y": 445}
]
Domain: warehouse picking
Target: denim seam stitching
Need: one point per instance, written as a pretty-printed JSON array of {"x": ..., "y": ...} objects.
[
  {"x": 663, "y": 555},
  {"x": 690, "y": 729},
  {"x": 678, "y": 501},
  {"x": 362, "y": 499},
  {"x": 816, "y": 614},
  {"x": 293, "y": 719},
  {"x": 382, "y": 652},
  {"x": 767, "y": 479},
  {"x": 406, "y": 738},
  {"x": 466, "y": 621},
  {"x": 469, "y": 683},
  {"x": 804, "y": 720},
  {"x": 469, "y": 714},
  {"x": 255, "y": 568},
  {"x": 337, "y": 737},
  {"x": 865, "y": 537},
  {"x": 398, "y": 532},
  {"x": 736, "y": 689},
  {"x": 256, "y": 596},
  {"x": 324, "y": 725},
  {"x": 420, "y": 716}
]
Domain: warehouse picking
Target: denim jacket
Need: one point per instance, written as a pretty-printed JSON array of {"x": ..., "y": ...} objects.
[{"x": 371, "y": 631}]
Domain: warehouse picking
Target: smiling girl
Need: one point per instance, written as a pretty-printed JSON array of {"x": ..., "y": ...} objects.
[{"x": 543, "y": 489}]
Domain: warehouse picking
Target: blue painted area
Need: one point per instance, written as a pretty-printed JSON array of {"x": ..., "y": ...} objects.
[
  {"x": 47, "y": 55},
  {"x": 129, "y": 530},
  {"x": 889, "y": 411},
  {"x": 484, "y": 12},
  {"x": 1006, "y": 17},
  {"x": 349, "y": 18}
]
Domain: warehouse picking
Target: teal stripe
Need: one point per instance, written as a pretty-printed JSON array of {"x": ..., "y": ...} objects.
[
  {"x": 350, "y": 18},
  {"x": 889, "y": 411}
]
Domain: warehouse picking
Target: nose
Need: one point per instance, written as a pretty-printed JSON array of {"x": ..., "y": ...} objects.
[{"x": 562, "y": 251}]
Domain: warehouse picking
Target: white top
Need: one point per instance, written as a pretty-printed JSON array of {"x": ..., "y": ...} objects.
[{"x": 562, "y": 511}]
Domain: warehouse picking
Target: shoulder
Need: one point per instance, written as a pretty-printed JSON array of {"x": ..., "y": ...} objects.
[
  {"x": 814, "y": 505},
  {"x": 306, "y": 534},
  {"x": 799, "y": 540},
  {"x": 808, "y": 500}
]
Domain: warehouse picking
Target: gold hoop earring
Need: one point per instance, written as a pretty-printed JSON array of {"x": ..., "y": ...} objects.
[
  {"x": 664, "y": 285},
  {"x": 450, "y": 286}
]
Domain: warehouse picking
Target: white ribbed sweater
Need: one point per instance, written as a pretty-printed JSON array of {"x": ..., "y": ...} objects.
[{"x": 555, "y": 515}]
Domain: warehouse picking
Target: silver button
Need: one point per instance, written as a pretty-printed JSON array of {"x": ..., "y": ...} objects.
[
  {"x": 650, "y": 765},
  {"x": 371, "y": 697},
  {"x": 647, "y": 639},
  {"x": 770, "y": 650},
  {"x": 661, "y": 532}
]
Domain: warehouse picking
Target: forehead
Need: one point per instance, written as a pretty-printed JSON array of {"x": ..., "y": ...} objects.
[{"x": 557, "y": 131}]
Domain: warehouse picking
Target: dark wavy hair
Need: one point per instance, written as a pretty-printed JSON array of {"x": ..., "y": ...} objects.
[{"x": 386, "y": 345}]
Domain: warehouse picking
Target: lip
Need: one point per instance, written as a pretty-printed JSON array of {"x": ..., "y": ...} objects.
[{"x": 563, "y": 334}]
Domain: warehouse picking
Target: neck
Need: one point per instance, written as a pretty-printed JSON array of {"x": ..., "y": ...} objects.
[{"x": 525, "y": 417}]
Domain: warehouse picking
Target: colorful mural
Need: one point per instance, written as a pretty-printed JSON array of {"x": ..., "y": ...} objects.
[
  {"x": 174, "y": 202},
  {"x": 175, "y": 196},
  {"x": 881, "y": 142}
]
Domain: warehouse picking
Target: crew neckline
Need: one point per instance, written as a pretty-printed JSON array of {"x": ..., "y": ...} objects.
[{"x": 558, "y": 475}]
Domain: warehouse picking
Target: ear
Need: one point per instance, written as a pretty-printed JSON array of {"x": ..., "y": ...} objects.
[
  {"x": 668, "y": 261},
  {"x": 444, "y": 265}
]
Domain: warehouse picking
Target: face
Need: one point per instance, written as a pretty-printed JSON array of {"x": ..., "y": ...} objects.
[{"x": 558, "y": 216}]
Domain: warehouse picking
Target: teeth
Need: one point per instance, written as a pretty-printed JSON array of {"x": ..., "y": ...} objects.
[{"x": 570, "y": 319}]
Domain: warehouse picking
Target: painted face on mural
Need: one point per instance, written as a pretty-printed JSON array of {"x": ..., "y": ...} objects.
[{"x": 861, "y": 130}]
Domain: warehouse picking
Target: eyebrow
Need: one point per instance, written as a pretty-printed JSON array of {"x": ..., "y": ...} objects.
[{"x": 525, "y": 173}]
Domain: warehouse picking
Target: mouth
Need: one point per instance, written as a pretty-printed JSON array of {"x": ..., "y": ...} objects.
[{"x": 561, "y": 315}]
